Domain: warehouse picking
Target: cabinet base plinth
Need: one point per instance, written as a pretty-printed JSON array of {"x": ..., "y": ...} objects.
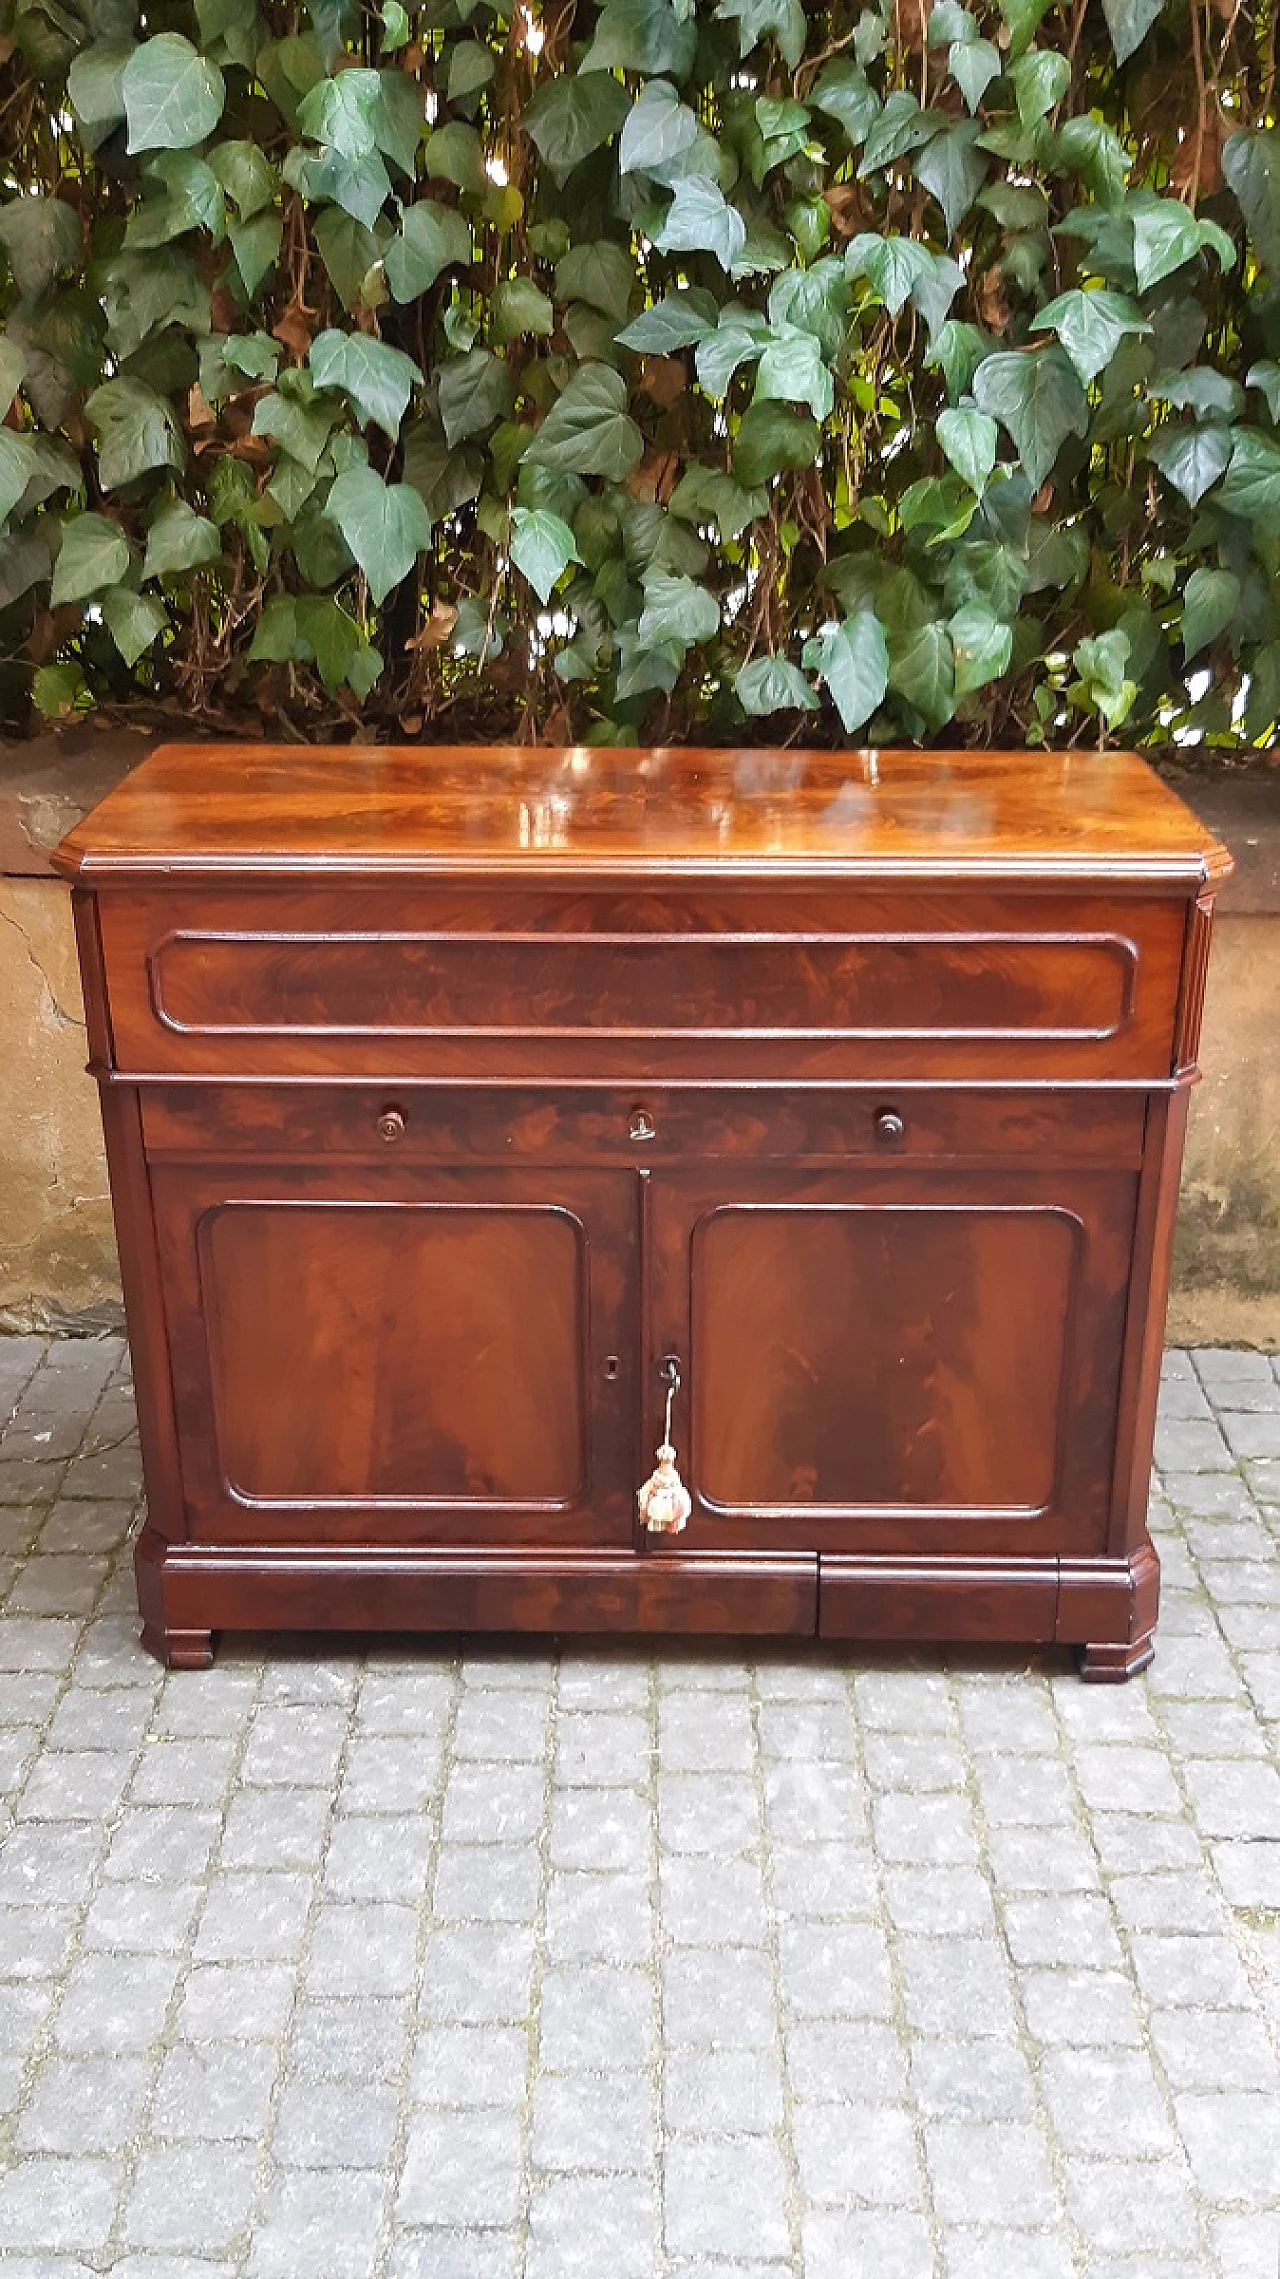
[
  {"x": 1110, "y": 1665},
  {"x": 179, "y": 1649}
]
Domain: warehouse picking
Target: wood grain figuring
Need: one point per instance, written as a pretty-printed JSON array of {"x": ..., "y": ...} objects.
[
  {"x": 451, "y": 1094},
  {"x": 251, "y": 809},
  {"x": 764, "y": 983}
]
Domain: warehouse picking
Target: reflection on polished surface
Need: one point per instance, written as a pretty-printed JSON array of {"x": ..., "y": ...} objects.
[{"x": 1012, "y": 813}]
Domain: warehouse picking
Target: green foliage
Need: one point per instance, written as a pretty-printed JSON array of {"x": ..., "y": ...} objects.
[{"x": 645, "y": 368}]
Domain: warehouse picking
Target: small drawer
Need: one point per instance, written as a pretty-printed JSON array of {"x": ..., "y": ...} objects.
[
  {"x": 407, "y": 1123},
  {"x": 438, "y": 984}
]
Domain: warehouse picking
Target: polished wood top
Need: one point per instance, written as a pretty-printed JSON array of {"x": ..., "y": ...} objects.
[{"x": 226, "y": 810}]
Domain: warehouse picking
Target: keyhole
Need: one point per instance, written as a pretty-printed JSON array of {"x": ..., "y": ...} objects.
[{"x": 611, "y": 1366}]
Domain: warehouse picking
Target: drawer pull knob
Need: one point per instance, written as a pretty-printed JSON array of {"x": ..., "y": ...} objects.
[
  {"x": 890, "y": 1128},
  {"x": 642, "y": 1125},
  {"x": 665, "y": 1502},
  {"x": 391, "y": 1125}
]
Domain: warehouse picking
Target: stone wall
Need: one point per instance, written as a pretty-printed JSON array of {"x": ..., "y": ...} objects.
[{"x": 57, "y": 1254}]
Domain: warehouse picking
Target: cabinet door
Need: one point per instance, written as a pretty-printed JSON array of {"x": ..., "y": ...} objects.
[
  {"x": 430, "y": 1355},
  {"x": 899, "y": 1360}
]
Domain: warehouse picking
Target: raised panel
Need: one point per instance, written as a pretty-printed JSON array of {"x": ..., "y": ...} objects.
[
  {"x": 890, "y": 1355},
  {"x": 428, "y": 1352},
  {"x": 427, "y": 1357}
]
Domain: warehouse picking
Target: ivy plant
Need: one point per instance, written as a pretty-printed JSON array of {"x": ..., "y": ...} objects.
[{"x": 636, "y": 370}]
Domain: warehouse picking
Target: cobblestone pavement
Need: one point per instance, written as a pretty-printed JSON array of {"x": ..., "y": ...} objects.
[{"x": 609, "y": 1964}]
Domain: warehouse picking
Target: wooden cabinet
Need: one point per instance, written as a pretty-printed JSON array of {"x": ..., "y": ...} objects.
[{"x": 454, "y": 1097}]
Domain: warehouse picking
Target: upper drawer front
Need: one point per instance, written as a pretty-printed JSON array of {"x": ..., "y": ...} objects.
[{"x": 443, "y": 983}]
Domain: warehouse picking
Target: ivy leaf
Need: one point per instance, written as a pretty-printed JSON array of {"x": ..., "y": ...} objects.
[
  {"x": 454, "y": 153},
  {"x": 348, "y": 249},
  {"x": 772, "y": 438},
  {"x": 953, "y": 170},
  {"x": 302, "y": 430},
  {"x": 1251, "y": 486},
  {"x": 791, "y": 370},
  {"x": 892, "y": 265},
  {"x": 520, "y": 309},
  {"x": 853, "y": 664},
  {"x": 739, "y": 338},
  {"x": 542, "y": 547},
  {"x": 902, "y": 126},
  {"x": 677, "y": 610},
  {"x": 40, "y": 236},
  {"x": 385, "y": 525},
  {"x": 135, "y": 621},
  {"x": 1038, "y": 400},
  {"x": 756, "y": 19},
  {"x": 969, "y": 439},
  {"x": 471, "y": 67},
  {"x": 642, "y": 35},
  {"x": 600, "y": 274},
  {"x": 588, "y": 430},
  {"x": 679, "y": 320},
  {"x": 1191, "y": 458},
  {"x": 173, "y": 95},
  {"x": 982, "y": 648},
  {"x": 657, "y": 129},
  {"x": 922, "y": 671},
  {"x": 94, "y": 553},
  {"x": 570, "y": 117},
  {"x": 1040, "y": 78},
  {"x": 474, "y": 391},
  {"x": 136, "y": 430},
  {"x": 973, "y": 65},
  {"x": 1165, "y": 235},
  {"x": 845, "y": 93},
  {"x": 1210, "y": 394},
  {"x": 1265, "y": 377},
  {"x": 94, "y": 84},
  {"x": 773, "y": 684},
  {"x": 1022, "y": 18},
  {"x": 1209, "y": 603},
  {"x": 431, "y": 238},
  {"x": 699, "y": 221},
  {"x": 1251, "y": 164},
  {"x": 1091, "y": 327},
  {"x": 19, "y": 462},
  {"x": 378, "y": 379},
  {"x": 179, "y": 539},
  {"x": 1128, "y": 22},
  {"x": 704, "y": 495},
  {"x": 1104, "y": 684}
]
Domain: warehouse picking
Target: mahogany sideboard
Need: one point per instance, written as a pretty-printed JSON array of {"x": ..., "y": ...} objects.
[{"x": 462, "y": 1103}]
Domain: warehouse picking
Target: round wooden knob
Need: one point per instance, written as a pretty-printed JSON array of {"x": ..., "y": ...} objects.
[
  {"x": 890, "y": 1127},
  {"x": 391, "y": 1125}
]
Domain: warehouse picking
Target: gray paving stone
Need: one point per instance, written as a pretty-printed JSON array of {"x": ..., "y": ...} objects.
[
  {"x": 390, "y": 1772},
  {"x": 335, "y": 2125},
  {"x": 994, "y": 2172},
  {"x": 58, "y": 2206},
  {"x": 492, "y": 1804},
  {"x": 83, "y": 2105},
  {"x": 142, "y": 1918},
  {"x": 349, "y": 2041},
  {"x": 598, "y": 1918},
  {"x": 817, "y": 1881},
  {"x": 972, "y": 2081},
  {"x": 161, "y": 1843},
  {"x": 1105, "y": 2101},
  {"x": 1248, "y": 2247},
  {"x": 600, "y": 1828},
  {"x": 834, "y": 1970},
  {"x": 722, "y": 2092},
  {"x": 35, "y": 1941},
  {"x": 1174, "y": 1971},
  {"x": 184, "y": 1772},
  {"x": 1081, "y": 2008},
  {"x": 362, "y": 1949},
  {"x": 279, "y": 1828},
  {"x": 484, "y": 1883},
  {"x": 576, "y": 2129},
  {"x": 326, "y": 2221},
  {"x": 183, "y": 2199},
  {"x": 470, "y": 2066},
  {"x": 1075, "y": 1930},
  {"x": 713, "y": 1903},
  {"x": 1119, "y": 2206},
  {"x": 115, "y": 2002},
  {"x": 874, "y": 2244},
  {"x": 478, "y": 1977},
  {"x": 596, "y": 2019},
  {"x": 956, "y": 1986},
  {"x": 834, "y": 2060},
  {"x": 814, "y": 1804},
  {"x": 294, "y": 1745},
  {"x": 502, "y": 1728},
  {"x": 713, "y": 1814},
  {"x": 604, "y": 1678},
  {"x": 236, "y": 2002},
  {"x": 725, "y": 2197},
  {"x": 456, "y": 2255},
  {"x": 718, "y": 2001},
  {"x": 214, "y": 2093},
  {"x": 405, "y": 1701},
  {"x": 857, "y": 2155},
  {"x": 602, "y": 1749},
  {"x": 1232, "y": 2138},
  {"x": 581, "y": 2226},
  {"x": 975, "y": 2254},
  {"x": 935, "y": 1829},
  {"x": 1214, "y": 2050}
]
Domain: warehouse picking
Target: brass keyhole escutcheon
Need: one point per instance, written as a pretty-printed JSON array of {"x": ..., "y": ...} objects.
[{"x": 642, "y": 1126}]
